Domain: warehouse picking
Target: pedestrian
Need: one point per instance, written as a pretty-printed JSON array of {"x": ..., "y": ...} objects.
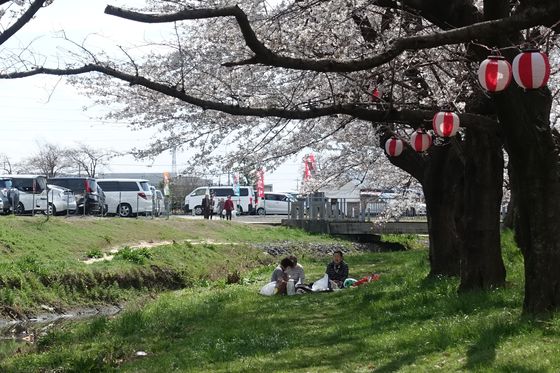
[
  {"x": 228, "y": 206},
  {"x": 220, "y": 208},
  {"x": 206, "y": 206},
  {"x": 212, "y": 205}
]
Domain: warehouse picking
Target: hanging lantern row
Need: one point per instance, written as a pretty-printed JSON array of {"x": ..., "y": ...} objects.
[
  {"x": 445, "y": 124},
  {"x": 530, "y": 70}
]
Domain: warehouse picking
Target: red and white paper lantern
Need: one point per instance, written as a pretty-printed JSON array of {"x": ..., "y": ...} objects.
[
  {"x": 420, "y": 141},
  {"x": 494, "y": 74},
  {"x": 531, "y": 69},
  {"x": 394, "y": 147},
  {"x": 446, "y": 124}
]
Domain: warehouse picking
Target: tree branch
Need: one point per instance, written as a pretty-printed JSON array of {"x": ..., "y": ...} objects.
[
  {"x": 414, "y": 118},
  {"x": 263, "y": 55},
  {"x": 22, "y": 21}
]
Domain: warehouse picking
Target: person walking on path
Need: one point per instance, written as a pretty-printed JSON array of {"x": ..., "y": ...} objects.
[
  {"x": 211, "y": 206},
  {"x": 228, "y": 206},
  {"x": 206, "y": 206},
  {"x": 220, "y": 208}
]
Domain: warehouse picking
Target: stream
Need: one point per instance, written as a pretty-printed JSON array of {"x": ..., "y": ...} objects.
[{"x": 36, "y": 326}]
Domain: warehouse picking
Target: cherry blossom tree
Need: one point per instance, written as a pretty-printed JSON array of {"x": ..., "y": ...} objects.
[{"x": 276, "y": 80}]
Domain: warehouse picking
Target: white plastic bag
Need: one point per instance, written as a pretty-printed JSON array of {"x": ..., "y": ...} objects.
[
  {"x": 269, "y": 289},
  {"x": 322, "y": 284}
]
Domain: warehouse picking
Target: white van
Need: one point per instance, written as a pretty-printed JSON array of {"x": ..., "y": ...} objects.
[
  {"x": 275, "y": 203},
  {"x": 32, "y": 192},
  {"x": 127, "y": 197},
  {"x": 244, "y": 202}
]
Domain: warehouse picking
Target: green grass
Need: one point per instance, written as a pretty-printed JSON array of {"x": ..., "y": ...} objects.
[
  {"x": 403, "y": 322},
  {"x": 42, "y": 262}
]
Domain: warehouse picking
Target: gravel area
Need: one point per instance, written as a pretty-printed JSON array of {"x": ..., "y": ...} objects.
[{"x": 325, "y": 249}]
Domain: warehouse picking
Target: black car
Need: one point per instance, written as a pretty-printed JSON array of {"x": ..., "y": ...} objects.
[{"x": 85, "y": 190}]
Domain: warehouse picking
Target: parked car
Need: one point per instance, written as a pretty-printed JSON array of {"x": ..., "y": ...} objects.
[
  {"x": 32, "y": 192},
  {"x": 9, "y": 196},
  {"x": 244, "y": 202},
  {"x": 85, "y": 191},
  {"x": 127, "y": 197},
  {"x": 275, "y": 203},
  {"x": 61, "y": 200}
]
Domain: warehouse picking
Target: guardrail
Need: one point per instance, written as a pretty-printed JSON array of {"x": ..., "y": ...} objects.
[{"x": 341, "y": 209}]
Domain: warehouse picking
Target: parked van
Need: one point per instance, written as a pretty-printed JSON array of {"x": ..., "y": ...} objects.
[
  {"x": 244, "y": 202},
  {"x": 85, "y": 191},
  {"x": 127, "y": 197},
  {"x": 32, "y": 192},
  {"x": 275, "y": 203}
]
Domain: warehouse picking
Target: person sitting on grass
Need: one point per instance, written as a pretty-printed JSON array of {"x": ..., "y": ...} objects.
[
  {"x": 296, "y": 272},
  {"x": 337, "y": 269},
  {"x": 280, "y": 276}
]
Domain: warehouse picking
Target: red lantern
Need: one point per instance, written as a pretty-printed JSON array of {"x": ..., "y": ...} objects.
[
  {"x": 494, "y": 74},
  {"x": 394, "y": 147},
  {"x": 376, "y": 95},
  {"x": 446, "y": 124},
  {"x": 531, "y": 69},
  {"x": 420, "y": 141}
]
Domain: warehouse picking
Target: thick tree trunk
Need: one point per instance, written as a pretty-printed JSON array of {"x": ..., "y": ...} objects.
[
  {"x": 440, "y": 174},
  {"x": 536, "y": 185},
  {"x": 443, "y": 191},
  {"x": 482, "y": 266}
]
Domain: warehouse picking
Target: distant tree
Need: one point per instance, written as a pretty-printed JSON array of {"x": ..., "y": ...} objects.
[
  {"x": 50, "y": 160},
  {"x": 7, "y": 166},
  {"x": 88, "y": 159}
]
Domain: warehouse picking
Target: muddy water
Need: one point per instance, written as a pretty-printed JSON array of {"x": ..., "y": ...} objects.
[{"x": 36, "y": 326}]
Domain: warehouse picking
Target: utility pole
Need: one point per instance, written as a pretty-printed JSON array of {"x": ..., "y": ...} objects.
[{"x": 174, "y": 161}]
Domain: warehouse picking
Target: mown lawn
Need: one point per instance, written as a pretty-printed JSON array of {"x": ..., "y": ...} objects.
[{"x": 403, "y": 322}]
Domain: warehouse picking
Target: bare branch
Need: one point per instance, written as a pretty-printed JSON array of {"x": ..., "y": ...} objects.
[
  {"x": 22, "y": 21},
  {"x": 528, "y": 18}
]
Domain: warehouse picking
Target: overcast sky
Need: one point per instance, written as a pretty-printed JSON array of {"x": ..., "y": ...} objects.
[{"x": 46, "y": 109}]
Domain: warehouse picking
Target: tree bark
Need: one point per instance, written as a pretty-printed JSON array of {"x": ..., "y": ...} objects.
[
  {"x": 482, "y": 266},
  {"x": 440, "y": 172},
  {"x": 443, "y": 191},
  {"x": 535, "y": 184}
]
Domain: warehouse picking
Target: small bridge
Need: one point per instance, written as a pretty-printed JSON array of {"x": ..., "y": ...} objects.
[{"x": 321, "y": 215}]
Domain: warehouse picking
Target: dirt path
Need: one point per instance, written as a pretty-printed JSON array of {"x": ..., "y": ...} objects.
[{"x": 149, "y": 245}]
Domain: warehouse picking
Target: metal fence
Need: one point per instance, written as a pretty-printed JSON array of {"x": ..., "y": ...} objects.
[{"x": 322, "y": 208}]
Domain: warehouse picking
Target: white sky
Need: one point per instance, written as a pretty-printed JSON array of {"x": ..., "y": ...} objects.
[{"x": 46, "y": 109}]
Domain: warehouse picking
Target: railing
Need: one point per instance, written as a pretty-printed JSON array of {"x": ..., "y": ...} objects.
[{"x": 338, "y": 209}]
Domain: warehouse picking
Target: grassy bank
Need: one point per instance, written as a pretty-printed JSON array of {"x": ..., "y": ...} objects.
[
  {"x": 42, "y": 262},
  {"x": 403, "y": 322}
]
